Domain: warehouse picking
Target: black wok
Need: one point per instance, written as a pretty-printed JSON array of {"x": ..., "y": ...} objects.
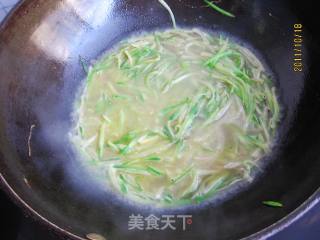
[{"x": 40, "y": 45}]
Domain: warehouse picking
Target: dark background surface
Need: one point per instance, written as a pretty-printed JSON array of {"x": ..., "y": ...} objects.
[{"x": 15, "y": 226}]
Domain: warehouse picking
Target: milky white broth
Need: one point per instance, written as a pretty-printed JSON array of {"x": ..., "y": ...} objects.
[{"x": 174, "y": 117}]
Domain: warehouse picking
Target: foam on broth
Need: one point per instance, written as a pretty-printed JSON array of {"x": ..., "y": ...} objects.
[{"x": 173, "y": 117}]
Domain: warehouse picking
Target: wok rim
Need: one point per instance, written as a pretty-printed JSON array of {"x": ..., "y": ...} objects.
[{"x": 263, "y": 234}]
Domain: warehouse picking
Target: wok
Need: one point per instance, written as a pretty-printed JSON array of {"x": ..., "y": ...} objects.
[{"x": 40, "y": 74}]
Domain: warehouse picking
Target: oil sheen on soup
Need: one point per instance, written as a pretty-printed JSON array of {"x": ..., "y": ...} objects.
[{"x": 174, "y": 117}]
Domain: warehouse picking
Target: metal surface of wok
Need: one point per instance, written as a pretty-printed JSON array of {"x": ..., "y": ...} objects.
[{"x": 40, "y": 74}]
